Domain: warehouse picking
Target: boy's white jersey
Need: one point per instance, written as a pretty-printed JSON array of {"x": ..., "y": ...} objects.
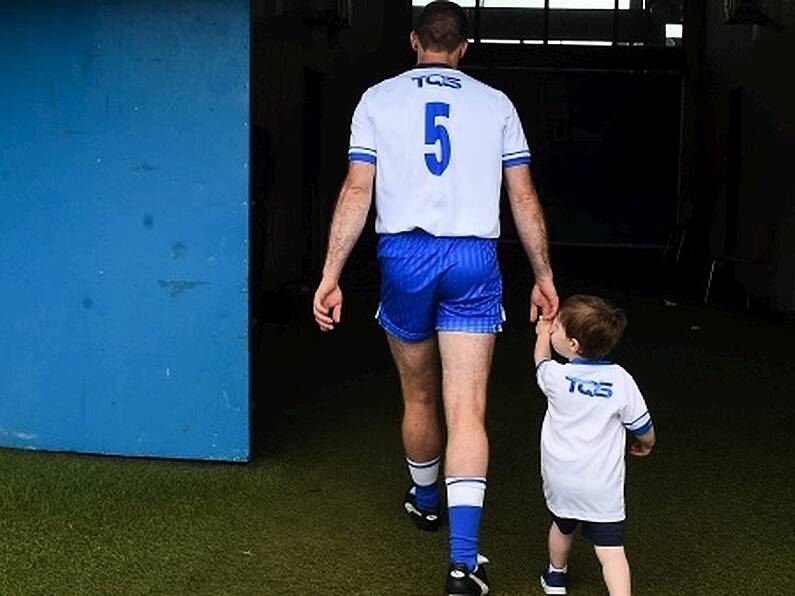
[
  {"x": 590, "y": 406},
  {"x": 439, "y": 139}
]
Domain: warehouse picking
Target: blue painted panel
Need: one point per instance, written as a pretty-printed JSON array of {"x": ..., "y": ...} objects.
[{"x": 124, "y": 227}]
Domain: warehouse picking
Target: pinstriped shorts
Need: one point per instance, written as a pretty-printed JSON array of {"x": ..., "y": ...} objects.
[{"x": 431, "y": 284}]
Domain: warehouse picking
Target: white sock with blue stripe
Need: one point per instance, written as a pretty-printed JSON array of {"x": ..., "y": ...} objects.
[
  {"x": 424, "y": 475},
  {"x": 464, "y": 506}
]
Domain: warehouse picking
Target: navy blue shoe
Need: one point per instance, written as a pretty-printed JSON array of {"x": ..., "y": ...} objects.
[
  {"x": 554, "y": 582},
  {"x": 427, "y": 521}
]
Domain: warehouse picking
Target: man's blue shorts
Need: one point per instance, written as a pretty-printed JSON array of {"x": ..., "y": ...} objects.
[{"x": 431, "y": 284}]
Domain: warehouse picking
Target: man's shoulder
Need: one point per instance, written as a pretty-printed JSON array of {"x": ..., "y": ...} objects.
[
  {"x": 485, "y": 87},
  {"x": 397, "y": 79}
]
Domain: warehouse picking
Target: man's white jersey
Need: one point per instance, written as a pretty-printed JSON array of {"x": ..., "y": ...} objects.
[
  {"x": 583, "y": 438},
  {"x": 439, "y": 139}
]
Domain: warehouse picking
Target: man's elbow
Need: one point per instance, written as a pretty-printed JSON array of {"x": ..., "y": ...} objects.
[{"x": 356, "y": 189}]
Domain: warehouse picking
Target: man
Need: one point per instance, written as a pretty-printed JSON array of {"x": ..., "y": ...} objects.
[{"x": 437, "y": 143}]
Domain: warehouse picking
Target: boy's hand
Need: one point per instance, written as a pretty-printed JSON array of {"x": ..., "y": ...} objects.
[
  {"x": 639, "y": 449},
  {"x": 543, "y": 326}
]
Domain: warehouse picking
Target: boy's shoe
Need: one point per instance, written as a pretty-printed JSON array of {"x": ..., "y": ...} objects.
[
  {"x": 427, "y": 521},
  {"x": 554, "y": 582},
  {"x": 463, "y": 582}
]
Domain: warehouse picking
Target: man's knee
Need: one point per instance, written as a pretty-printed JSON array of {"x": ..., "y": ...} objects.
[
  {"x": 469, "y": 412},
  {"x": 466, "y": 421},
  {"x": 421, "y": 399}
]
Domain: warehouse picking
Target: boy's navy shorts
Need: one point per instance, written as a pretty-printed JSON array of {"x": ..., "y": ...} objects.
[
  {"x": 599, "y": 533},
  {"x": 431, "y": 284}
]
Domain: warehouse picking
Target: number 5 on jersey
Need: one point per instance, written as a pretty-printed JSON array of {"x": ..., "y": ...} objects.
[{"x": 437, "y": 132}]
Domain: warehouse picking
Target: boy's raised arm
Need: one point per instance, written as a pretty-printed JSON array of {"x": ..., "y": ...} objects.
[{"x": 543, "y": 349}]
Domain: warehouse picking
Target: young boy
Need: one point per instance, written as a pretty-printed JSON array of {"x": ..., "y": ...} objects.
[{"x": 591, "y": 403}]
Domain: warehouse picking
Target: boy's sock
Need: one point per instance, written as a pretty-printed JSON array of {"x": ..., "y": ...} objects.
[
  {"x": 424, "y": 476},
  {"x": 464, "y": 506},
  {"x": 553, "y": 569}
]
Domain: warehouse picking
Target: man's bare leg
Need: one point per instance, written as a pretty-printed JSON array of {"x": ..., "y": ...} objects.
[
  {"x": 466, "y": 362},
  {"x": 420, "y": 382}
]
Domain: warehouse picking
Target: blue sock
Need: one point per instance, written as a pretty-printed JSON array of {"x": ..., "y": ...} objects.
[
  {"x": 424, "y": 475},
  {"x": 465, "y": 504},
  {"x": 427, "y": 497}
]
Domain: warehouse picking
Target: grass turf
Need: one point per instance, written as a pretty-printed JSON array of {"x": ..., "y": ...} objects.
[{"x": 318, "y": 510}]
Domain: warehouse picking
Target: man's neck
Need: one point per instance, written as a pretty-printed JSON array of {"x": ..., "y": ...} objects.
[{"x": 437, "y": 58}]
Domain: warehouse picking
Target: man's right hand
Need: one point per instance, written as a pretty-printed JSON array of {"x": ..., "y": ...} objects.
[{"x": 327, "y": 305}]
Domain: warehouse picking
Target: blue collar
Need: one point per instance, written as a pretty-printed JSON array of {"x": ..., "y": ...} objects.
[{"x": 590, "y": 362}]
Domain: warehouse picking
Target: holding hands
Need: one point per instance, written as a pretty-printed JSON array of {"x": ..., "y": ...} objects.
[
  {"x": 543, "y": 298},
  {"x": 544, "y": 326}
]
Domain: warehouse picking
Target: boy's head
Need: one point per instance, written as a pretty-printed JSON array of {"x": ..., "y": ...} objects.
[{"x": 588, "y": 327}]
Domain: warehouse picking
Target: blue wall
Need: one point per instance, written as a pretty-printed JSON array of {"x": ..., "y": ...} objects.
[{"x": 124, "y": 227}]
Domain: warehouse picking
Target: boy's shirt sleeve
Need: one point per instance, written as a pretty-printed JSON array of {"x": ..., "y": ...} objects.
[
  {"x": 635, "y": 415},
  {"x": 362, "y": 143},
  {"x": 550, "y": 376}
]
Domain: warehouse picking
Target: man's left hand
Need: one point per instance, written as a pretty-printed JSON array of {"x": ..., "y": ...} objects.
[{"x": 545, "y": 297}]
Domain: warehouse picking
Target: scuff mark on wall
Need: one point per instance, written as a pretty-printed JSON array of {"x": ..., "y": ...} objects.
[
  {"x": 68, "y": 132},
  {"x": 178, "y": 250},
  {"x": 144, "y": 167},
  {"x": 177, "y": 287},
  {"x": 15, "y": 434}
]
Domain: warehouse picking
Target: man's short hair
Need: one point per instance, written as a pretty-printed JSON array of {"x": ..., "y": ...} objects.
[
  {"x": 442, "y": 26},
  {"x": 594, "y": 322}
]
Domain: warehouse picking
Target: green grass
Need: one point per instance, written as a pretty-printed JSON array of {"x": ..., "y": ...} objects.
[{"x": 318, "y": 510}]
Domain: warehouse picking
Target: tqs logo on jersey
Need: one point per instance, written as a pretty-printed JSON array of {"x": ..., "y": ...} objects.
[
  {"x": 590, "y": 388},
  {"x": 438, "y": 80}
]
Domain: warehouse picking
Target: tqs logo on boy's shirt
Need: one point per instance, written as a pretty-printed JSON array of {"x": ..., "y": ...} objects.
[{"x": 590, "y": 388}]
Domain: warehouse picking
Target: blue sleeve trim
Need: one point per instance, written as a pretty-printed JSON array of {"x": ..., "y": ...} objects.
[
  {"x": 363, "y": 148},
  {"x": 542, "y": 362},
  {"x": 362, "y": 157},
  {"x": 516, "y": 161},
  {"x": 643, "y": 429},
  {"x": 646, "y": 413}
]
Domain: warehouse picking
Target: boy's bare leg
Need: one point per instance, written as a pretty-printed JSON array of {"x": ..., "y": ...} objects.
[
  {"x": 615, "y": 569},
  {"x": 559, "y": 546}
]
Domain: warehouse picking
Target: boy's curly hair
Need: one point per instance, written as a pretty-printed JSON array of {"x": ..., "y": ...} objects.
[{"x": 595, "y": 323}]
